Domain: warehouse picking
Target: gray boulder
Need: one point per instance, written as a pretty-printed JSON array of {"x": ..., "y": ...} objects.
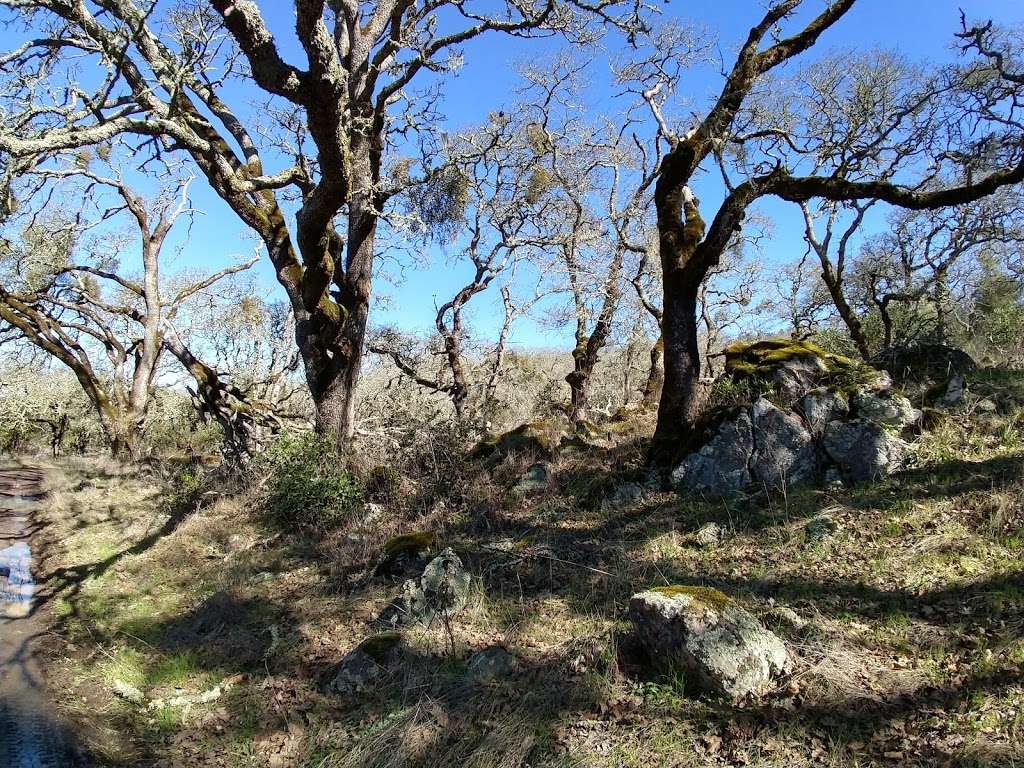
[
  {"x": 625, "y": 495},
  {"x": 863, "y": 450},
  {"x": 706, "y": 634},
  {"x": 784, "y": 452},
  {"x": 890, "y": 411},
  {"x": 821, "y": 528},
  {"x": 795, "y": 376},
  {"x": 491, "y": 664},
  {"x": 721, "y": 466},
  {"x": 440, "y": 593},
  {"x": 708, "y": 535},
  {"x": 821, "y": 407},
  {"x": 366, "y": 663}
]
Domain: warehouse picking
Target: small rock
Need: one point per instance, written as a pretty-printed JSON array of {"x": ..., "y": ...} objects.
[
  {"x": 784, "y": 616},
  {"x": 491, "y": 664},
  {"x": 372, "y": 513},
  {"x": 239, "y": 542},
  {"x": 833, "y": 478},
  {"x": 820, "y": 528},
  {"x": 366, "y": 663},
  {"x": 953, "y": 397},
  {"x": 356, "y": 672},
  {"x": 623, "y": 496},
  {"x": 708, "y": 635},
  {"x": 536, "y": 478},
  {"x": 128, "y": 692},
  {"x": 986, "y": 406},
  {"x": 442, "y": 591},
  {"x": 708, "y": 535}
]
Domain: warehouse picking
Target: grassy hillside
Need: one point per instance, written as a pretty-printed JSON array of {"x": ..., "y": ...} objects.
[{"x": 902, "y": 603}]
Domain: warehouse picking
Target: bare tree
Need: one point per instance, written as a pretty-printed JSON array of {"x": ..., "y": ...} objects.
[
  {"x": 483, "y": 207},
  {"x": 956, "y": 122},
  {"x": 351, "y": 103},
  {"x": 917, "y": 258},
  {"x": 63, "y": 292},
  {"x": 596, "y": 182}
]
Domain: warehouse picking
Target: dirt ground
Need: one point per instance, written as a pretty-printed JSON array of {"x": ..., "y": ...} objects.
[
  {"x": 189, "y": 632},
  {"x": 30, "y": 735}
]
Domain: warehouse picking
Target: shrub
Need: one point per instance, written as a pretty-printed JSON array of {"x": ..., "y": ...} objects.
[
  {"x": 383, "y": 483},
  {"x": 309, "y": 484}
]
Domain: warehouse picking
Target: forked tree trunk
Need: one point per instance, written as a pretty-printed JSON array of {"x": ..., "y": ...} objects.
[{"x": 846, "y": 313}]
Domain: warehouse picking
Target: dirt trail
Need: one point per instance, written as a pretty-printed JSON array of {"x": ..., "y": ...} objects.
[{"x": 30, "y": 736}]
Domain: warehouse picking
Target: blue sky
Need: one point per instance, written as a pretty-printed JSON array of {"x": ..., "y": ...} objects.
[{"x": 918, "y": 28}]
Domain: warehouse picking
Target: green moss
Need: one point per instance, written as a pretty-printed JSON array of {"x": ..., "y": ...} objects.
[
  {"x": 378, "y": 646},
  {"x": 404, "y": 544},
  {"x": 760, "y": 358},
  {"x": 708, "y": 595},
  {"x": 538, "y": 437}
]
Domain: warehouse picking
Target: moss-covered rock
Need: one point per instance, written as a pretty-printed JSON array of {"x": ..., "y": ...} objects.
[
  {"x": 703, "y": 632},
  {"x": 792, "y": 368},
  {"x": 537, "y": 438},
  {"x": 707, "y": 595},
  {"x": 404, "y": 547}
]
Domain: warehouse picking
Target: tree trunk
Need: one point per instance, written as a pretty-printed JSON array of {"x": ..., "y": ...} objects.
[
  {"x": 334, "y": 380},
  {"x": 846, "y": 312},
  {"x": 579, "y": 388},
  {"x": 125, "y": 439},
  {"x": 680, "y": 393}
]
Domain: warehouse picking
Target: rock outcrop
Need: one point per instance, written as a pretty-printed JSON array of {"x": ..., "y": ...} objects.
[
  {"x": 441, "y": 593},
  {"x": 784, "y": 451},
  {"x": 722, "y": 465},
  {"x": 716, "y": 642},
  {"x": 811, "y": 415}
]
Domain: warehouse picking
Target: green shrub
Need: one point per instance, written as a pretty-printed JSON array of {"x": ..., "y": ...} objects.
[
  {"x": 308, "y": 483},
  {"x": 383, "y": 483}
]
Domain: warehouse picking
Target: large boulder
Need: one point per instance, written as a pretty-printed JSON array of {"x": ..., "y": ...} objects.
[
  {"x": 791, "y": 368},
  {"x": 890, "y": 410},
  {"x": 924, "y": 362},
  {"x": 721, "y": 467},
  {"x": 863, "y": 450},
  {"x": 821, "y": 407},
  {"x": 535, "y": 438},
  {"x": 784, "y": 451},
  {"x": 442, "y": 592},
  {"x": 706, "y": 634}
]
